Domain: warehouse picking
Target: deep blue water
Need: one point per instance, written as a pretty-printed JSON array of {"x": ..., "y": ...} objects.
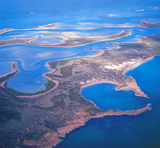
[
  {"x": 105, "y": 97},
  {"x": 142, "y": 131}
]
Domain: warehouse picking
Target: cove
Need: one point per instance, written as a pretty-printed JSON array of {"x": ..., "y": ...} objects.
[{"x": 106, "y": 97}]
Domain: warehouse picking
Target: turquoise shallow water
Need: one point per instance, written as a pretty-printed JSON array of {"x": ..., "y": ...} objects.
[{"x": 142, "y": 131}]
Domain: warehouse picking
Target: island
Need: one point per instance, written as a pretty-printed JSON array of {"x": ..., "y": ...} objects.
[{"x": 69, "y": 39}]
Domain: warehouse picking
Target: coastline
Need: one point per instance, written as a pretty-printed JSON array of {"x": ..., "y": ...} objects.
[
  {"x": 82, "y": 121},
  {"x": 136, "y": 65},
  {"x": 131, "y": 83},
  {"x": 54, "y": 137},
  {"x": 3, "y": 83},
  {"x": 134, "y": 86}
]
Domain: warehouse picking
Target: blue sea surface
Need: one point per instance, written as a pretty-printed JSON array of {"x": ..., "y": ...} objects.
[
  {"x": 105, "y": 97},
  {"x": 142, "y": 131}
]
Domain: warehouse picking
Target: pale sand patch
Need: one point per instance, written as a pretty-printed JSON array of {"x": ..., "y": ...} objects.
[
  {"x": 126, "y": 66},
  {"x": 120, "y": 66}
]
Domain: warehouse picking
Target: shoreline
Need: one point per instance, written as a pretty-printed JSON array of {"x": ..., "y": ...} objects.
[
  {"x": 3, "y": 83},
  {"x": 54, "y": 137},
  {"x": 136, "y": 65},
  {"x": 134, "y": 86},
  {"x": 107, "y": 38},
  {"x": 82, "y": 121},
  {"x": 131, "y": 84}
]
